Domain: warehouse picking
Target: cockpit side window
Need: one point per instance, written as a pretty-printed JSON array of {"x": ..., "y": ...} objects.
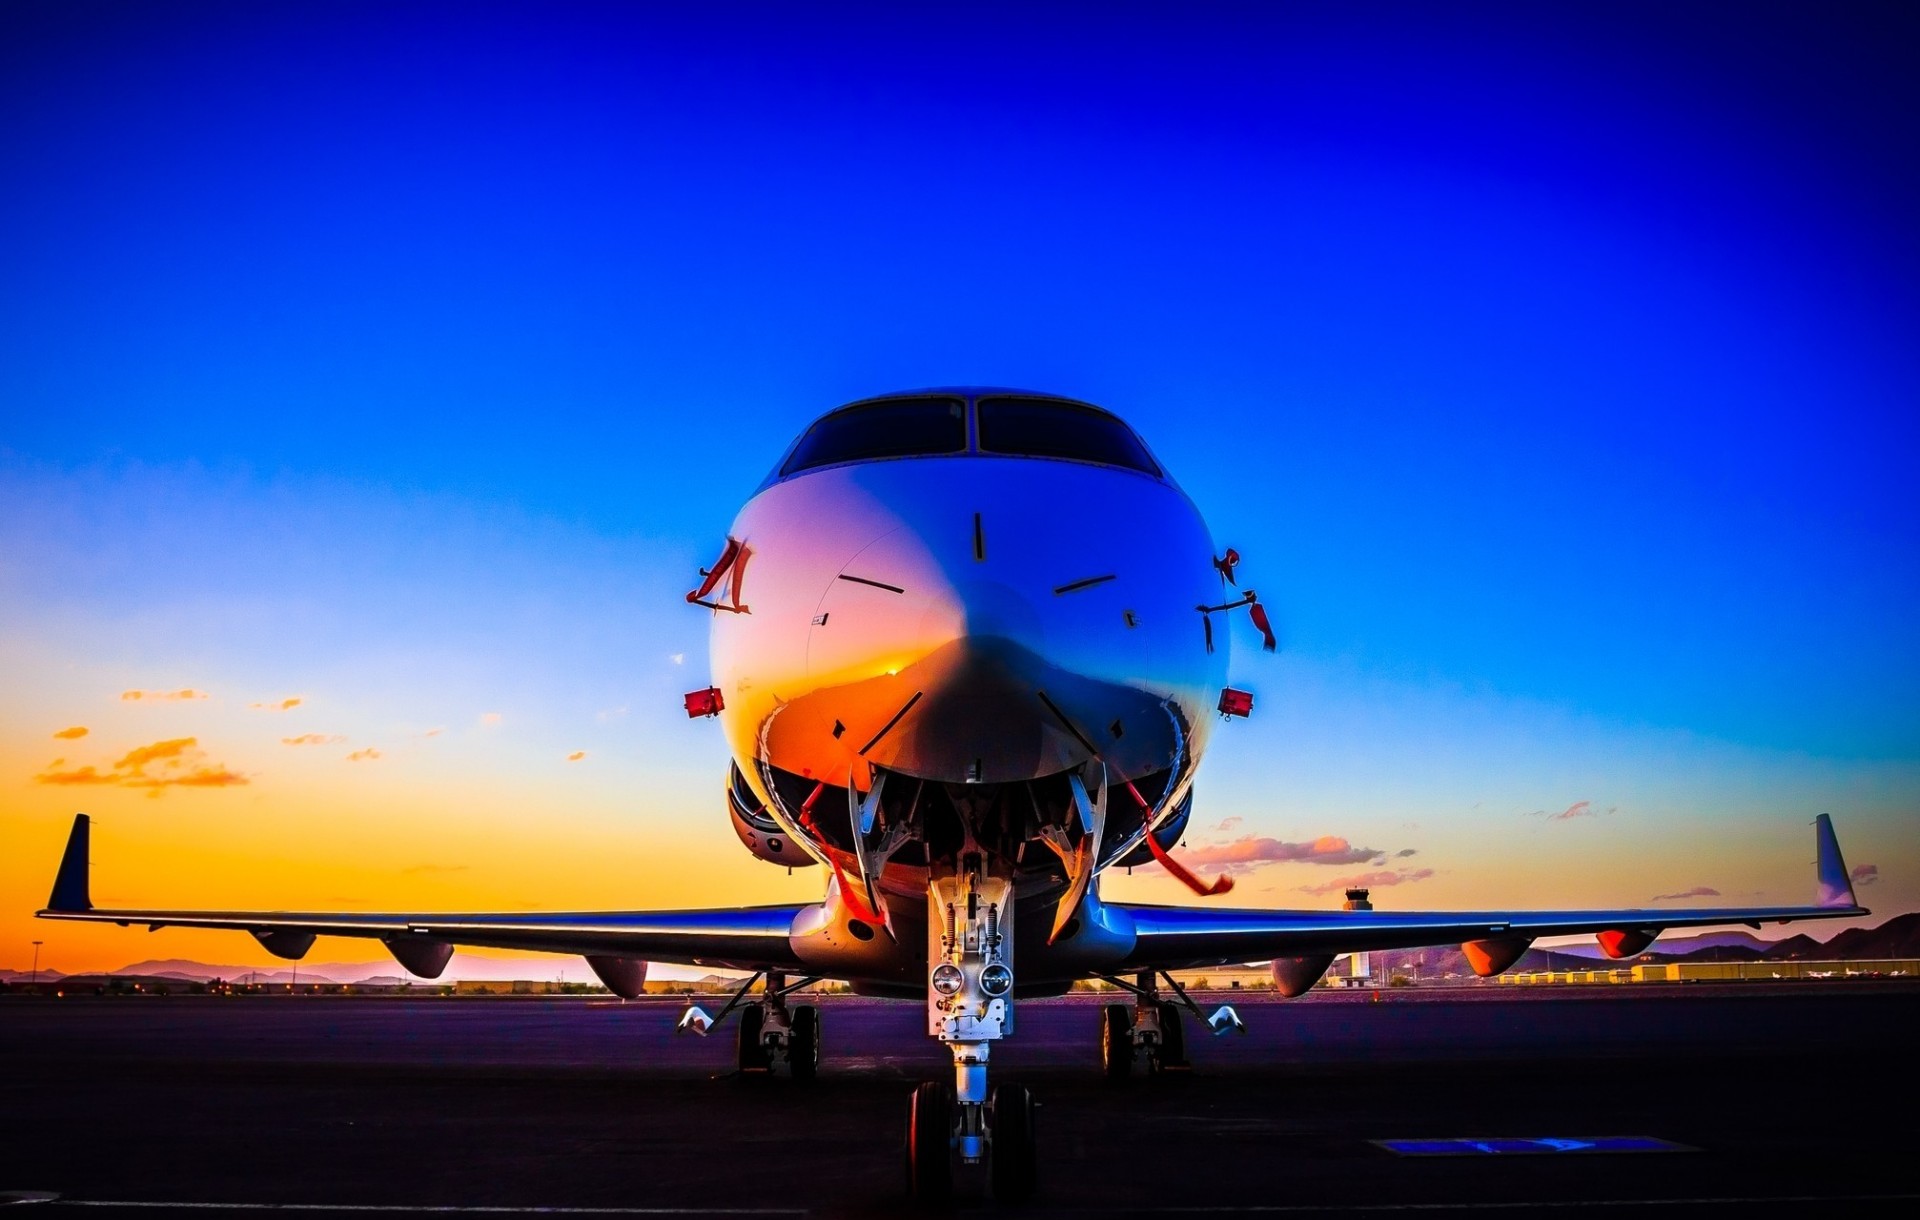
[
  {"x": 1045, "y": 427},
  {"x": 893, "y": 427}
]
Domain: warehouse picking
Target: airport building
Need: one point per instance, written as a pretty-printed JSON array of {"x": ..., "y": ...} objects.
[{"x": 1721, "y": 972}]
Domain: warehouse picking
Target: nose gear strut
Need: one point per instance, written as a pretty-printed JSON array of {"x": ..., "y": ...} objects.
[{"x": 970, "y": 1006}]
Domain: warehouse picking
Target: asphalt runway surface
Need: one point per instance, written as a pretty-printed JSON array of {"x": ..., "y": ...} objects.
[{"x": 1788, "y": 1099}]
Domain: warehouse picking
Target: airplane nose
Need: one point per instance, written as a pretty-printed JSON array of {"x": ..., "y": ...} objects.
[
  {"x": 995, "y": 610},
  {"x": 990, "y": 622}
]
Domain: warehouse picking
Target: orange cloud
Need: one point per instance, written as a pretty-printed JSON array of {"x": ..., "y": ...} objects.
[
  {"x": 433, "y": 732},
  {"x": 363, "y": 755},
  {"x": 72, "y": 734},
  {"x": 282, "y": 706},
  {"x": 136, "y": 759},
  {"x": 576, "y": 756},
  {"x": 1249, "y": 851},
  {"x": 312, "y": 739},
  {"x": 490, "y": 718},
  {"x": 178, "y": 759},
  {"x": 79, "y": 775},
  {"x": 161, "y": 696}
]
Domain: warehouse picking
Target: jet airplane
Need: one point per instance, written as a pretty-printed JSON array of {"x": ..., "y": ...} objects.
[{"x": 968, "y": 647}]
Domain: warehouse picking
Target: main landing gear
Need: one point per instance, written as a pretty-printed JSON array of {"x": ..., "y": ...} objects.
[
  {"x": 970, "y": 1006},
  {"x": 770, "y": 1030},
  {"x": 1150, "y": 1028}
]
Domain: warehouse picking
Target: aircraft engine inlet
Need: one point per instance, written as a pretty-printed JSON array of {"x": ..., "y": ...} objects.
[{"x": 759, "y": 832}]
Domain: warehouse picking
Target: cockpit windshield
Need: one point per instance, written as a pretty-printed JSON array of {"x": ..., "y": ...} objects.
[
  {"x": 1047, "y": 427},
  {"x": 893, "y": 427}
]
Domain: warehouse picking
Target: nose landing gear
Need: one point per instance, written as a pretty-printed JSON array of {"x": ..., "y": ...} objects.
[{"x": 970, "y": 1006}]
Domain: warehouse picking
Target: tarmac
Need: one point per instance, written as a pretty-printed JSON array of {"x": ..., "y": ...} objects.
[{"x": 1764, "y": 1099}]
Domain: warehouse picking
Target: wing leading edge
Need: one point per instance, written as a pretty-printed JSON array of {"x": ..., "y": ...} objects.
[
  {"x": 740, "y": 938},
  {"x": 1171, "y": 938}
]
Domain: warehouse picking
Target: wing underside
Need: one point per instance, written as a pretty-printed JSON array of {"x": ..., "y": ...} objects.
[
  {"x": 741, "y": 938},
  {"x": 1171, "y": 938},
  {"x": 617, "y": 944}
]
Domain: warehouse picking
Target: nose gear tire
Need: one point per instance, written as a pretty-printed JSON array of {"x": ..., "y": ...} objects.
[
  {"x": 930, "y": 1141},
  {"x": 1015, "y": 1162}
]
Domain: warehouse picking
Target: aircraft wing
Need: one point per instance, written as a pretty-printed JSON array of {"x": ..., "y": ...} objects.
[
  {"x": 614, "y": 942},
  {"x": 1172, "y": 938}
]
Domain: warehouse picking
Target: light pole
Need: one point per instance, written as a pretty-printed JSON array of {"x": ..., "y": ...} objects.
[{"x": 35, "y": 984}]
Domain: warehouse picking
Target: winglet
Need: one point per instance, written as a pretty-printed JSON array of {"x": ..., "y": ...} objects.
[
  {"x": 1836, "y": 888},
  {"x": 70, "y": 883}
]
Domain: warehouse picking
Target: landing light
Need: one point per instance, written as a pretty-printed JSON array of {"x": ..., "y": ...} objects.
[
  {"x": 996, "y": 980},
  {"x": 947, "y": 978}
]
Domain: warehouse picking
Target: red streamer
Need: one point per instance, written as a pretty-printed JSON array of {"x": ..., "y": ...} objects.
[{"x": 1221, "y": 884}]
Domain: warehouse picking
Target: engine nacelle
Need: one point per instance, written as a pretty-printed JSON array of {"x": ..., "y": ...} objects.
[
  {"x": 1490, "y": 957},
  {"x": 1625, "y": 942},
  {"x": 757, "y": 830},
  {"x": 1295, "y": 976}
]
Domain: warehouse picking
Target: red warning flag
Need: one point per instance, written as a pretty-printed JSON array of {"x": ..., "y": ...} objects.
[
  {"x": 1258, "y": 613},
  {"x": 718, "y": 571},
  {"x": 734, "y": 560},
  {"x": 1225, "y": 566},
  {"x": 1221, "y": 884}
]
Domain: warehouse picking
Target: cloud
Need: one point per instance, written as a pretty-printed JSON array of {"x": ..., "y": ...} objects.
[
  {"x": 365, "y": 755},
  {"x": 1228, "y": 824},
  {"x": 576, "y": 756},
  {"x": 678, "y": 658},
  {"x": 1698, "y": 891},
  {"x": 433, "y": 732},
  {"x": 1864, "y": 875},
  {"x": 160, "y": 696},
  {"x": 73, "y": 734},
  {"x": 1404, "y": 852},
  {"x": 1251, "y": 852},
  {"x": 1371, "y": 881},
  {"x": 285, "y": 705},
  {"x": 177, "y": 763},
  {"x": 79, "y": 775},
  {"x": 136, "y": 759},
  {"x": 1579, "y": 809},
  {"x": 312, "y": 739},
  {"x": 609, "y": 713},
  {"x": 490, "y": 718}
]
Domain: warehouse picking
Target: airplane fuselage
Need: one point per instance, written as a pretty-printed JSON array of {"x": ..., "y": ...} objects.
[{"x": 971, "y": 633}]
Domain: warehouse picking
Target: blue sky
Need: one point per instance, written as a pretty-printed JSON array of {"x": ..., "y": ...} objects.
[{"x": 1552, "y": 367}]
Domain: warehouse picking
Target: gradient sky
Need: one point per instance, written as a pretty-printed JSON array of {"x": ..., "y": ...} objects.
[{"x": 1553, "y": 367}]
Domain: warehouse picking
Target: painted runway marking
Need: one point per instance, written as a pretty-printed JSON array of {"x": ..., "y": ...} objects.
[
  {"x": 1268, "y": 1209},
  {"x": 428, "y": 1209},
  {"x": 1530, "y": 1147},
  {"x": 1530, "y": 1205}
]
